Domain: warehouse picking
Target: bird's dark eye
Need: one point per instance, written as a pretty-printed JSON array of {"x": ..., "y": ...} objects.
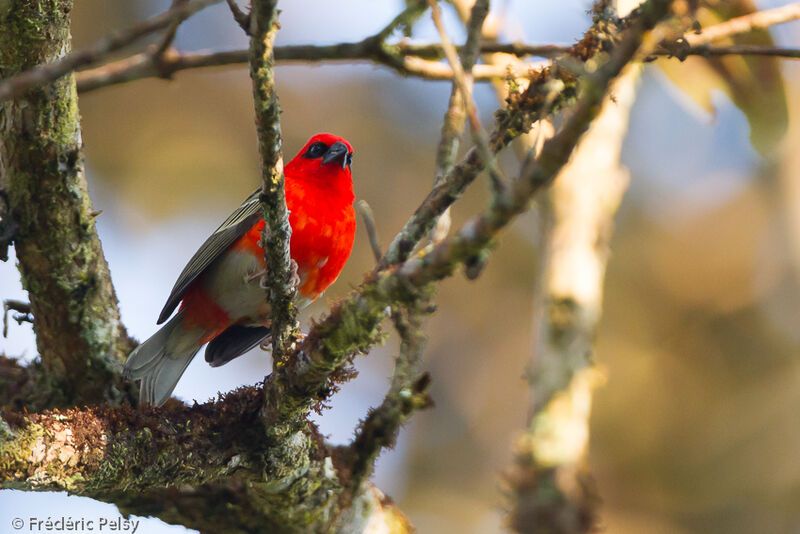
[{"x": 317, "y": 150}]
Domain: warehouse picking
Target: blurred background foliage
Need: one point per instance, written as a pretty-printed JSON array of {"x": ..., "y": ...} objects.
[{"x": 696, "y": 428}]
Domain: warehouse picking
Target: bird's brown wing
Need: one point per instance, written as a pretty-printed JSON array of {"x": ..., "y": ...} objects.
[{"x": 234, "y": 227}]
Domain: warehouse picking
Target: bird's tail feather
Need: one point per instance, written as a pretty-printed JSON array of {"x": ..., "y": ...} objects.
[{"x": 160, "y": 361}]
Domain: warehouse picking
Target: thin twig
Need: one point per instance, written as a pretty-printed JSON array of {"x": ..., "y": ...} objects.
[
  {"x": 738, "y": 50},
  {"x": 140, "y": 66},
  {"x": 363, "y": 208},
  {"x": 41, "y": 74},
  {"x": 435, "y": 51},
  {"x": 464, "y": 84},
  {"x": 159, "y": 51},
  {"x": 453, "y": 123},
  {"x": 172, "y": 30},
  {"x": 23, "y": 308},
  {"x": 241, "y": 18},
  {"x": 8, "y": 228}
]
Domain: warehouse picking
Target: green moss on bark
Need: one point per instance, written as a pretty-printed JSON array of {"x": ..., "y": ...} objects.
[{"x": 76, "y": 319}]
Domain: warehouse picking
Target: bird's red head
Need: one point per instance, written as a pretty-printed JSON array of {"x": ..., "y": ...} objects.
[{"x": 326, "y": 160}]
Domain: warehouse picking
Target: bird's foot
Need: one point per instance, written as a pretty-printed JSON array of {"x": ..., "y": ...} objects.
[
  {"x": 266, "y": 343},
  {"x": 250, "y": 277},
  {"x": 294, "y": 278}
]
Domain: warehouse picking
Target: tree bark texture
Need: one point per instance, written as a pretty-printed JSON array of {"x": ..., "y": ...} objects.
[{"x": 76, "y": 319}]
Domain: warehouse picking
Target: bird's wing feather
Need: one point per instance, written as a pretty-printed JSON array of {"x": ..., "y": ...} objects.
[{"x": 234, "y": 227}]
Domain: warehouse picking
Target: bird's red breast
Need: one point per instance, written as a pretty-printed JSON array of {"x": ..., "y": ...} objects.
[{"x": 319, "y": 197}]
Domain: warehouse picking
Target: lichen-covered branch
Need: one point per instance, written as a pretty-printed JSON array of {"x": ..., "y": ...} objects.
[
  {"x": 175, "y": 463},
  {"x": 76, "y": 320},
  {"x": 277, "y": 232},
  {"x": 380, "y": 428},
  {"x": 100, "y": 449}
]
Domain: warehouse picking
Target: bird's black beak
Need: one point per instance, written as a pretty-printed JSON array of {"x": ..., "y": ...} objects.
[{"x": 337, "y": 152}]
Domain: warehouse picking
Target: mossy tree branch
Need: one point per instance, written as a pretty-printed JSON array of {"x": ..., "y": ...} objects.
[
  {"x": 277, "y": 232},
  {"x": 76, "y": 320}
]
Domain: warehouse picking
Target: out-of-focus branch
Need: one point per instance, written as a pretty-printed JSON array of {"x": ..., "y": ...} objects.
[
  {"x": 760, "y": 20},
  {"x": 730, "y": 50},
  {"x": 23, "y": 310},
  {"x": 453, "y": 123},
  {"x": 48, "y": 72},
  {"x": 463, "y": 84},
  {"x": 141, "y": 66},
  {"x": 241, "y": 18},
  {"x": 579, "y": 211},
  {"x": 277, "y": 232},
  {"x": 363, "y": 208},
  {"x": 172, "y": 30}
]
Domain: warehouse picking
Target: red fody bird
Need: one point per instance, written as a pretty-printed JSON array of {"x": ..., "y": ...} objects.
[{"x": 223, "y": 302}]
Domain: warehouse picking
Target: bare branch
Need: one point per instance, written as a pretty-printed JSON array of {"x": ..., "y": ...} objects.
[
  {"x": 241, "y": 18},
  {"x": 464, "y": 85},
  {"x": 363, "y": 208},
  {"x": 140, "y": 66},
  {"x": 435, "y": 51},
  {"x": 172, "y": 30},
  {"x": 731, "y": 50},
  {"x": 45, "y": 73},
  {"x": 23, "y": 310},
  {"x": 760, "y": 20}
]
